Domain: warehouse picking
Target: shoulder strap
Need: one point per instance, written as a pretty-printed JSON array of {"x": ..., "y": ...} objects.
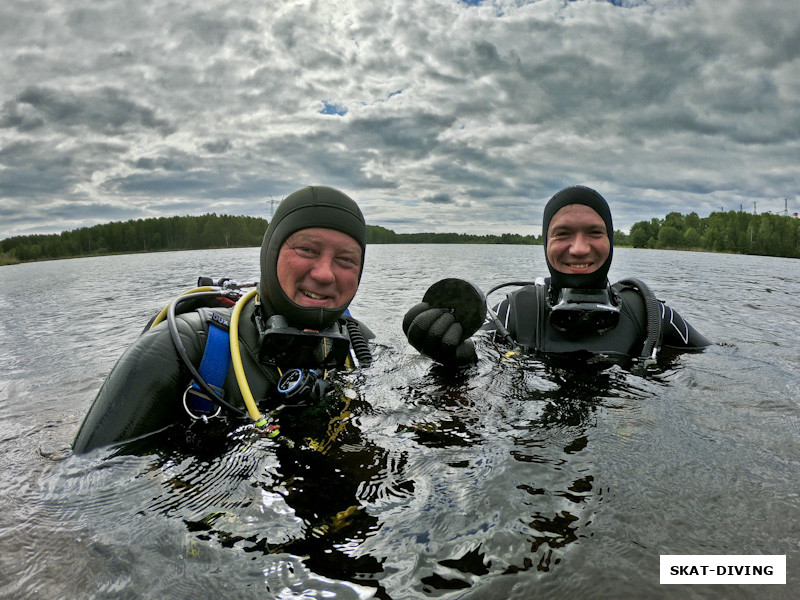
[{"x": 213, "y": 367}]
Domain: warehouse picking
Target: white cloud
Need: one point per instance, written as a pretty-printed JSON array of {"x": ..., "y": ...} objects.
[{"x": 434, "y": 115}]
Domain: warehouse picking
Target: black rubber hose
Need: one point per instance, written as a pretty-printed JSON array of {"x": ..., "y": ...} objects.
[
  {"x": 653, "y": 317},
  {"x": 181, "y": 349},
  {"x": 359, "y": 343},
  {"x": 501, "y": 329}
]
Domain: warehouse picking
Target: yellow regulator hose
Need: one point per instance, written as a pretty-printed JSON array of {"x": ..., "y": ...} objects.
[{"x": 236, "y": 359}]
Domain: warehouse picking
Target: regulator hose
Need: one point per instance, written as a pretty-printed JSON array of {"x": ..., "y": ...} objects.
[
  {"x": 359, "y": 343},
  {"x": 501, "y": 329},
  {"x": 360, "y": 348},
  {"x": 652, "y": 343},
  {"x": 162, "y": 315},
  {"x": 236, "y": 358},
  {"x": 213, "y": 396}
]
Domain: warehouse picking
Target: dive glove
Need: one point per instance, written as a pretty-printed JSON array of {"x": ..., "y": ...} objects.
[{"x": 436, "y": 333}]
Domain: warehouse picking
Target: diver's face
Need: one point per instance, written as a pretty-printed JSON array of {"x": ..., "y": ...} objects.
[
  {"x": 577, "y": 240},
  {"x": 319, "y": 268}
]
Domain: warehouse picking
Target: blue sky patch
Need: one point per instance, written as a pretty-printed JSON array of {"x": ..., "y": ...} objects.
[{"x": 331, "y": 108}]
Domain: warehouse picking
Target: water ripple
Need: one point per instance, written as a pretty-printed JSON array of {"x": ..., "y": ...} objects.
[{"x": 509, "y": 479}]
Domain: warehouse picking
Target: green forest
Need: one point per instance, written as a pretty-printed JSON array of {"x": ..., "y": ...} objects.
[
  {"x": 736, "y": 232},
  {"x": 194, "y": 233}
]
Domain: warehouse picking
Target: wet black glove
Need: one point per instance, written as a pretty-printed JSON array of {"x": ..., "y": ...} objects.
[{"x": 436, "y": 333}]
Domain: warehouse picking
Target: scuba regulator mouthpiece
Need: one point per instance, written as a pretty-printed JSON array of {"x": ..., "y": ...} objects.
[{"x": 578, "y": 311}]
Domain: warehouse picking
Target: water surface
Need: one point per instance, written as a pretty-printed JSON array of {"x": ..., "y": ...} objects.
[{"x": 508, "y": 480}]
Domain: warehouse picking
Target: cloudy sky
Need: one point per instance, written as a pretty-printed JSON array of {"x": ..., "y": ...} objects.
[{"x": 435, "y": 115}]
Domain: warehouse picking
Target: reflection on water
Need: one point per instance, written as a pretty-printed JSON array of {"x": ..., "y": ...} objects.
[{"x": 510, "y": 479}]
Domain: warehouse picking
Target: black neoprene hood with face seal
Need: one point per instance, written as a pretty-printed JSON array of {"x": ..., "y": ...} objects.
[
  {"x": 316, "y": 206},
  {"x": 578, "y": 194}
]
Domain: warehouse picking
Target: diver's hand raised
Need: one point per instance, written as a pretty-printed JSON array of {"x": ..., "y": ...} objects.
[{"x": 436, "y": 333}]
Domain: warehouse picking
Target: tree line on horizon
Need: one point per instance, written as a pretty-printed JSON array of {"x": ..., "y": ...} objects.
[
  {"x": 739, "y": 232},
  {"x": 195, "y": 233}
]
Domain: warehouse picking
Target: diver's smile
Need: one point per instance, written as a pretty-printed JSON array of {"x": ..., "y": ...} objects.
[
  {"x": 580, "y": 267},
  {"x": 309, "y": 298},
  {"x": 313, "y": 296}
]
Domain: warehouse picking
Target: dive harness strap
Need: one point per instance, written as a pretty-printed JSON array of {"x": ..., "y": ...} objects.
[{"x": 213, "y": 369}]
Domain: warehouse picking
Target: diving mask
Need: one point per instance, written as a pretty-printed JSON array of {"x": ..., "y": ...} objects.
[
  {"x": 584, "y": 311},
  {"x": 284, "y": 345}
]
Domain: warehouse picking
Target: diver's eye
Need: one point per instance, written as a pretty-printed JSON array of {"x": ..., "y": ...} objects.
[{"x": 305, "y": 251}]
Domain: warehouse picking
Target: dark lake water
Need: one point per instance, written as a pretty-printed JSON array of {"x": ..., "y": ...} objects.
[{"x": 510, "y": 480}]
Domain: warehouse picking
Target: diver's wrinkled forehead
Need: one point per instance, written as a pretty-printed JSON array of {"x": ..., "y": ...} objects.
[{"x": 323, "y": 237}]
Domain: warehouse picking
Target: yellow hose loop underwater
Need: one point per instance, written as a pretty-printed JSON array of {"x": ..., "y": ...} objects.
[
  {"x": 236, "y": 359},
  {"x": 163, "y": 314}
]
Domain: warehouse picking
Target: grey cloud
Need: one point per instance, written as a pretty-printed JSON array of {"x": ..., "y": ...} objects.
[
  {"x": 185, "y": 184},
  {"x": 439, "y": 199},
  {"x": 218, "y": 146},
  {"x": 414, "y": 134},
  {"x": 168, "y": 160},
  {"x": 105, "y": 111},
  {"x": 662, "y": 105},
  {"x": 33, "y": 170},
  {"x": 96, "y": 212}
]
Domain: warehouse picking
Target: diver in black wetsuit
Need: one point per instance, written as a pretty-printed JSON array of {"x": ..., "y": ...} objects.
[
  {"x": 311, "y": 264},
  {"x": 573, "y": 312}
]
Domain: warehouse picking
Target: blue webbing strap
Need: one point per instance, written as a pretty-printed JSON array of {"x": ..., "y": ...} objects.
[{"x": 213, "y": 367}]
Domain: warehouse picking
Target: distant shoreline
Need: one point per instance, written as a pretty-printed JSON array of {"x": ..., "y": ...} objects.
[
  {"x": 731, "y": 233},
  {"x": 4, "y": 262}
]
